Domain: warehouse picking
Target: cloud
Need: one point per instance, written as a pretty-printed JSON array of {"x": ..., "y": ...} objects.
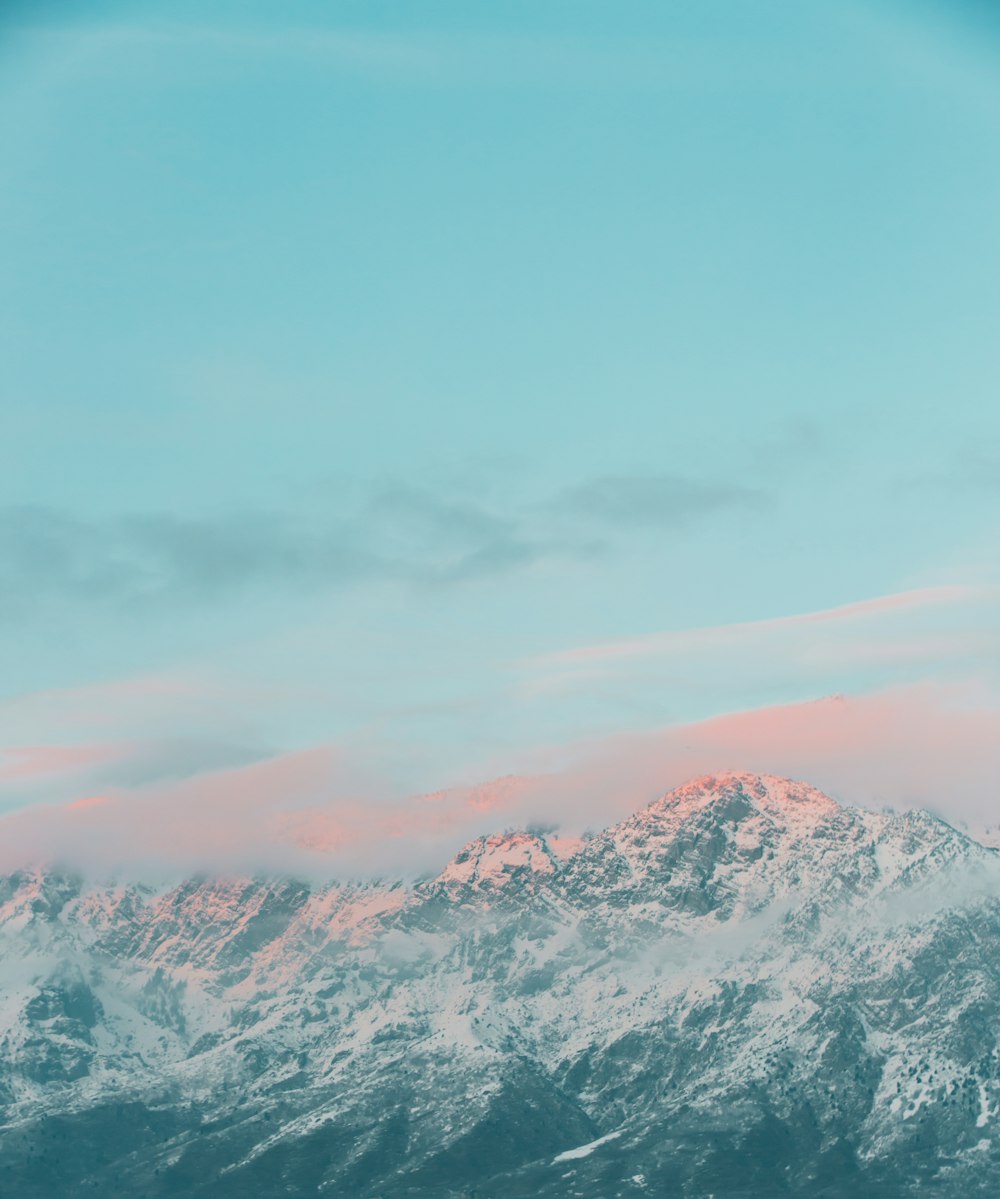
[
  {"x": 324, "y": 812},
  {"x": 47, "y": 554},
  {"x": 130, "y": 733},
  {"x": 42, "y": 773},
  {"x": 172, "y": 702},
  {"x": 435, "y": 537},
  {"x": 975, "y": 467},
  {"x": 845, "y": 615},
  {"x": 925, "y": 632},
  {"x": 21, "y": 763},
  {"x": 923, "y": 745},
  {"x": 652, "y": 501},
  {"x": 223, "y": 820},
  {"x": 396, "y": 532},
  {"x": 154, "y": 740}
]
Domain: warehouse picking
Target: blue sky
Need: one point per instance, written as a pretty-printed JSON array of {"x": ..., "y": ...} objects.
[{"x": 354, "y": 359}]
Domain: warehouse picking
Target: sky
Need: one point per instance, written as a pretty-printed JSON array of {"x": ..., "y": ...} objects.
[{"x": 397, "y": 397}]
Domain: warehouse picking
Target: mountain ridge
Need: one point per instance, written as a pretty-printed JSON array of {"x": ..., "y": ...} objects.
[{"x": 742, "y": 962}]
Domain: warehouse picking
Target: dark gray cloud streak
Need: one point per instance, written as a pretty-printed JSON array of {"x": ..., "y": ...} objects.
[
  {"x": 401, "y": 532},
  {"x": 652, "y": 501}
]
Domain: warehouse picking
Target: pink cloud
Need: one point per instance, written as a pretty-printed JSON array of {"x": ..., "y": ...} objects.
[
  {"x": 315, "y": 810},
  {"x": 688, "y": 640},
  {"x": 132, "y": 706},
  {"x": 88, "y": 801},
  {"x": 927, "y": 745},
  {"x": 223, "y": 819},
  {"x": 21, "y": 762}
]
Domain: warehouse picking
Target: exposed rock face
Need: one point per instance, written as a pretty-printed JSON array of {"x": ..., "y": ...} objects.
[{"x": 742, "y": 990}]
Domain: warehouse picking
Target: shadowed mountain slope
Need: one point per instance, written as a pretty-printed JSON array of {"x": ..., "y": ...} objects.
[{"x": 742, "y": 990}]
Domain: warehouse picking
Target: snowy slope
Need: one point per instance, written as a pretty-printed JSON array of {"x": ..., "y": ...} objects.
[{"x": 743, "y": 989}]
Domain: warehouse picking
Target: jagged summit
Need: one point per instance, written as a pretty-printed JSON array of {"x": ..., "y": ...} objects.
[
  {"x": 768, "y": 793},
  {"x": 492, "y": 861},
  {"x": 732, "y": 844}
]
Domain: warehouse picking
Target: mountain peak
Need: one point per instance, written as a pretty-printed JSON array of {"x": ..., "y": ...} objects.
[
  {"x": 490, "y": 862},
  {"x": 721, "y": 844},
  {"x": 771, "y": 794}
]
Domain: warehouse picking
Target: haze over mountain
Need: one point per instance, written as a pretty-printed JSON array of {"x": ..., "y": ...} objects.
[{"x": 743, "y": 989}]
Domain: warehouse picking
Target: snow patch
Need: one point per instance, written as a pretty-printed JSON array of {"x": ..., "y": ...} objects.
[{"x": 571, "y": 1155}]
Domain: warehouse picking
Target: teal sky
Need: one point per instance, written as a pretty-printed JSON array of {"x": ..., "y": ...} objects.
[{"x": 355, "y": 359}]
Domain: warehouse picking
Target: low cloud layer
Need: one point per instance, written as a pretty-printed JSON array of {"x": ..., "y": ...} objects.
[{"x": 320, "y": 812}]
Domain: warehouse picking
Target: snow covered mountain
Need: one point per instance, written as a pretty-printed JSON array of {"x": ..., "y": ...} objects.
[{"x": 742, "y": 990}]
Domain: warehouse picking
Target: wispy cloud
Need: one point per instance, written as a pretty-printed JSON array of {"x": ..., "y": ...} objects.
[
  {"x": 38, "y": 773},
  {"x": 400, "y": 532},
  {"x": 845, "y": 615},
  {"x": 20, "y": 764},
  {"x": 949, "y": 632},
  {"x": 972, "y": 467},
  {"x": 130, "y": 732},
  {"x": 652, "y": 501},
  {"x": 161, "y": 729},
  {"x": 47, "y": 554}
]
